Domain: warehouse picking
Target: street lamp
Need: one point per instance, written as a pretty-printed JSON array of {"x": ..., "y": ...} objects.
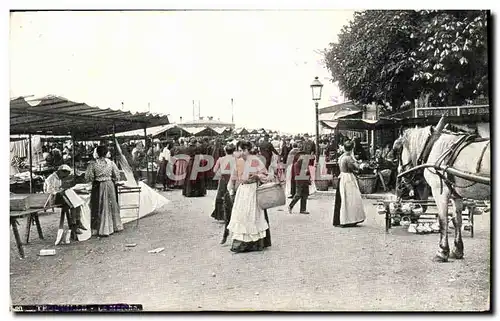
[{"x": 317, "y": 87}]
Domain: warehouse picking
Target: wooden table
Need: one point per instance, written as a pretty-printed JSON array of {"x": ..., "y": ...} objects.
[{"x": 32, "y": 216}]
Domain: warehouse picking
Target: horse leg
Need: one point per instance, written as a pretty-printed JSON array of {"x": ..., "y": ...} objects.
[
  {"x": 458, "y": 251},
  {"x": 444, "y": 248}
]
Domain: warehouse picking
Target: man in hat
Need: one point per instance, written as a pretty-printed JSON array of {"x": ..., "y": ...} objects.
[
  {"x": 308, "y": 145},
  {"x": 267, "y": 150},
  {"x": 302, "y": 181},
  {"x": 286, "y": 147}
]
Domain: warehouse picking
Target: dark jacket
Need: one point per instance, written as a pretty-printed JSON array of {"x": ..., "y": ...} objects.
[
  {"x": 309, "y": 147},
  {"x": 266, "y": 150},
  {"x": 285, "y": 150},
  {"x": 299, "y": 178}
]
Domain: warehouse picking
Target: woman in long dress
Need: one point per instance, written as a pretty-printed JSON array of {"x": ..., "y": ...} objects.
[
  {"x": 180, "y": 164},
  {"x": 249, "y": 224},
  {"x": 290, "y": 183},
  {"x": 194, "y": 185},
  {"x": 217, "y": 152},
  {"x": 348, "y": 209},
  {"x": 222, "y": 170},
  {"x": 105, "y": 212}
]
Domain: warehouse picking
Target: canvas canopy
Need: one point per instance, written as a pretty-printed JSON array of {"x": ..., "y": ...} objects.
[
  {"x": 59, "y": 116},
  {"x": 358, "y": 124},
  {"x": 197, "y": 131},
  {"x": 169, "y": 130}
]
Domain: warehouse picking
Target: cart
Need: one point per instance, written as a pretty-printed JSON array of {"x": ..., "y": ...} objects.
[{"x": 406, "y": 212}]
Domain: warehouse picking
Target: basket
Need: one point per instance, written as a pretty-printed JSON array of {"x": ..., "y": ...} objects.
[
  {"x": 367, "y": 184},
  {"x": 270, "y": 195},
  {"x": 323, "y": 183}
]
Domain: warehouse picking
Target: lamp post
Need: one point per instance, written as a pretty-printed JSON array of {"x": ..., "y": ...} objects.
[{"x": 317, "y": 87}]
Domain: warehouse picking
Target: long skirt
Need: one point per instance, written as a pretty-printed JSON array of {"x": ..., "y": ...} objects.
[
  {"x": 104, "y": 208},
  {"x": 162, "y": 177},
  {"x": 218, "y": 213},
  {"x": 281, "y": 175},
  {"x": 180, "y": 167},
  {"x": 249, "y": 224},
  {"x": 211, "y": 182},
  {"x": 348, "y": 209},
  {"x": 196, "y": 187}
]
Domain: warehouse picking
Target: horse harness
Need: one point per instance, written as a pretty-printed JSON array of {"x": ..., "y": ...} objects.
[{"x": 448, "y": 158}]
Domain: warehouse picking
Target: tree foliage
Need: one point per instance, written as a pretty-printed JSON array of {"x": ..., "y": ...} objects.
[{"x": 390, "y": 57}]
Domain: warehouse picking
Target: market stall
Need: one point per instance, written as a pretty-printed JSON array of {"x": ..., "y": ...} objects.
[
  {"x": 371, "y": 179},
  {"x": 53, "y": 115}
]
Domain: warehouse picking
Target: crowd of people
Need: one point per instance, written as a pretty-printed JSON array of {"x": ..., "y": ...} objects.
[
  {"x": 286, "y": 159},
  {"x": 241, "y": 164}
]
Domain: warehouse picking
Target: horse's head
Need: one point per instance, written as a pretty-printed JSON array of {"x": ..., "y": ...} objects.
[{"x": 410, "y": 145}]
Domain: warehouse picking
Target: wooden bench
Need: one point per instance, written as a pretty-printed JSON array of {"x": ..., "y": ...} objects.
[{"x": 32, "y": 217}]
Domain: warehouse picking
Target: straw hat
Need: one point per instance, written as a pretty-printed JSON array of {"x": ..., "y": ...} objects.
[{"x": 64, "y": 168}]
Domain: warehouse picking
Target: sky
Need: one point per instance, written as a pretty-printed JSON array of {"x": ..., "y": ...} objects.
[{"x": 264, "y": 60}]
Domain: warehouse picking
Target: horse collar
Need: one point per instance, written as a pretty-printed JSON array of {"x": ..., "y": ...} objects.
[{"x": 426, "y": 151}]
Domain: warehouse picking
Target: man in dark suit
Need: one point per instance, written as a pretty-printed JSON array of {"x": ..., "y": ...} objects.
[
  {"x": 285, "y": 150},
  {"x": 302, "y": 182},
  {"x": 266, "y": 150},
  {"x": 308, "y": 145}
]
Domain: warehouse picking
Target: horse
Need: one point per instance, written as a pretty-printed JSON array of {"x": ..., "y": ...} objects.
[{"x": 474, "y": 158}]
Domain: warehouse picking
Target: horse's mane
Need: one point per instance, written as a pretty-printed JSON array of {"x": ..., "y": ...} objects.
[{"x": 414, "y": 140}]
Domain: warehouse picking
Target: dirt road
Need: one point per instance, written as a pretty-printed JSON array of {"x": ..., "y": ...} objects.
[{"x": 310, "y": 266}]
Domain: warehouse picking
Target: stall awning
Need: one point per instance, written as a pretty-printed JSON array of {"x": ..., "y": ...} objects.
[
  {"x": 138, "y": 132},
  {"x": 339, "y": 114},
  {"x": 221, "y": 130},
  {"x": 59, "y": 116},
  {"x": 241, "y": 131},
  {"x": 197, "y": 131},
  {"x": 358, "y": 124},
  {"x": 171, "y": 130}
]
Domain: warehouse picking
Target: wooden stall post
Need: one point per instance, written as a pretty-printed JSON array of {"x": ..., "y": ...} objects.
[
  {"x": 30, "y": 154},
  {"x": 153, "y": 178},
  {"x": 146, "y": 148},
  {"x": 114, "y": 142},
  {"x": 73, "y": 153}
]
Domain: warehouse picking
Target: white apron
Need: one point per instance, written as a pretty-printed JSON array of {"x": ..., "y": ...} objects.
[
  {"x": 248, "y": 223},
  {"x": 351, "y": 206}
]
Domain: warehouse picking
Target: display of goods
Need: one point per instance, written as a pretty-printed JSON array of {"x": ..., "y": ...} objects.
[
  {"x": 381, "y": 209},
  {"x": 19, "y": 202},
  {"x": 270, "y": 195}
]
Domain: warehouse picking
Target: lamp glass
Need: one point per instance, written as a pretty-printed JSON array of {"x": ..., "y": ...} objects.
[
  {"x": 316, "y": 87},
  {"x": 316, "y": 92}
]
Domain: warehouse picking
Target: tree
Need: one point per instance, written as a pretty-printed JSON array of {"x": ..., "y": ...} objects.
[
  {"x": 389, "y": 57},
  {"x": 451, "y": 60}
]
